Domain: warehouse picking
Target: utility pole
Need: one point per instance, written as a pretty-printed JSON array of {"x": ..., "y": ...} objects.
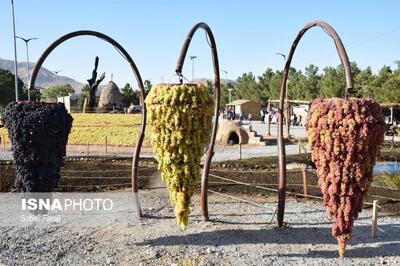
[
  {"x": 287, "y": 115},
  {"x": 192, "y": 57},
  {"x": 27, "y": 62},
  {"x": 286, "y": 90},
  {"x": 15, "y": 53},
  {"x": 226, "y": 82},
  {"x": 226, "y": 75}
]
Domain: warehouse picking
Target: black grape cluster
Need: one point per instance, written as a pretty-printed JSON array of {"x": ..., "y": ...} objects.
[{"x": 39, "y": 133}]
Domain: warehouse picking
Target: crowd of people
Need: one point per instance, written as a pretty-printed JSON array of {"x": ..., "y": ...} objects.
[{"x": 229, "y": 113}]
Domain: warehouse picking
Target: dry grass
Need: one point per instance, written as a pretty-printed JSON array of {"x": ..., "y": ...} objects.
[{"x": 120, "y": 129}]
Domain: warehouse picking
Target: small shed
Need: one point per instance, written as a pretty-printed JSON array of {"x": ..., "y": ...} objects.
[{"x": 247, "y": 106}]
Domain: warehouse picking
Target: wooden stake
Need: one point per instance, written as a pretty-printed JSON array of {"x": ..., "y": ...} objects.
[
  {"x": 305, "y": 192},
  {"x": 84, "y": 105},
  {"x": 299, "y": 143},
  {"x": 87, "y": 148},
  {"x": 3, "y": 140},
  {"x": 240, "y": 151},
  {"x": 106, "y": 145},
  {"x": 269, "y": 119},
  {"x": 287, "y": 120},
  {"x": 374, "y": 219}
]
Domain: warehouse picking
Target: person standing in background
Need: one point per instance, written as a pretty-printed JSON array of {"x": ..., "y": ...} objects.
[{"x": 262, "y": 115}]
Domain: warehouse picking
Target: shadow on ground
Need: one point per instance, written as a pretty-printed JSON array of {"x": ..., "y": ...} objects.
[{"x": 388, "y": 241}]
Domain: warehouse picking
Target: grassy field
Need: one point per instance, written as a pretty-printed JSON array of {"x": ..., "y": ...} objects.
[
  {"x": 392, "y": 181},
  {"x": 120, "y": 129}
]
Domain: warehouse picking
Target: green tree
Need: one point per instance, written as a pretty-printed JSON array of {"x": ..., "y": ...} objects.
[
  {"x": 129, "y": 95},
  {"x": 363, "y": 83},
  {"x": 264, "y": 82},
  {"x": 332, "y": 83},
  {"x": 387, "y": 86},
  {"x": 7, "y": 87},
  {"x": 391, "y": 89},
  {"x": 52, "y": 92},
  {"x": 225, "y": 87},
  {"x": 297, "y": 86},
  {"x": 312, "y": 83},
  {"x": 275, "y": 85},
  {"x": 384, "y": 75},
  {"x": 248, "y": 88},
  {"x": 147, "y": 87},
  {"x": 84, "y": 95}
]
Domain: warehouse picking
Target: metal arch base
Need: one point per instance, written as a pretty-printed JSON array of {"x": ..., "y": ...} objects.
[
  {"x": 210, "y": 152},
  {"x": 349, "y": 85},
  {"x": 124, "y": 53}
]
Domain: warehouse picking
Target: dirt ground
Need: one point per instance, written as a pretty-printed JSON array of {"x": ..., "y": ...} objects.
[{"x": 237, "y": 234}]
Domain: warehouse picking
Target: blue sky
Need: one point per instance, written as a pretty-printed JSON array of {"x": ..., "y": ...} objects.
[{"x": 248, "y": 34}]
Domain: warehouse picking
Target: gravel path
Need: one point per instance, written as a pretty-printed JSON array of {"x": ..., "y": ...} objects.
[
  {"x": 222, "y": 152},
  {"x": 238, "y": 234}
]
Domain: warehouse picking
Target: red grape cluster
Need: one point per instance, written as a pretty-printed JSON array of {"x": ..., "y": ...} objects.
[
  {"x": 39, "y": 134},
  {"x": 345, "y": 136}
]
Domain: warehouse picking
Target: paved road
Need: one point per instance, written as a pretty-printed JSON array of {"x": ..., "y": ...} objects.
[
  {"x": 297, "y": 131},
  {"x": 223, "y": 152}
]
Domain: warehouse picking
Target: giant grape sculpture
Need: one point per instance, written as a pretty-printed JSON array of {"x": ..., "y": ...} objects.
[
  {"x": 39, "y": 133},
  {"x": 179, "y": 118},
  {"x": 345, "y": 136}
]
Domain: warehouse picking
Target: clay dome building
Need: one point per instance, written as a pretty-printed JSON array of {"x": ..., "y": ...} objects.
[{"x": 110, "y": 97}]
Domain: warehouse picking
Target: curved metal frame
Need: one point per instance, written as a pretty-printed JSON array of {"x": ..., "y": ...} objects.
[
  {"x": 210, "y": 152},
  {"x": 349, "y": 85},
  {"x": 124, "y": 53}
]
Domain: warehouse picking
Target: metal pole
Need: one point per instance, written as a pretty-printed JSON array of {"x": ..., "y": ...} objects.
[
  {"x": 192, "y": 57},
  {"x": 269, "y": 118},
  {"x": 27, "y": 68},
  {"x": 27, "y": 61},
  {"x": 139, "y": 142},
  {"x": 281, "y": 147},
  {"x": 391, "y": 115},
  {"x": 374, "y": 219},
  {"x": 210, "y": 152},
  {"x": 230, "y": 94},
  {"x": 15, "y": 53},
  {"x": 226, "y": 75}
]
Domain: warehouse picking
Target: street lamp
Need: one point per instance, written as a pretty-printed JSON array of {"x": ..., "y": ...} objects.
[
  {"x": 15, "y": 53},
  {"x": 27, "y": 61},
  {"x": 192, "y": 57},
  {"x": 226, "y": 75},
  {"x": 286, "y": 91},
  {"x": 226, "y": 82},
  {"x": 286, "y": 101}
]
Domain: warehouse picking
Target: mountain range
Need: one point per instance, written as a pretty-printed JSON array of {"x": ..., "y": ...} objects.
[
  {"x": 45, "y": 77},
  {"x": 48, "y": 78},
  {"x": 205, "y": 80}
]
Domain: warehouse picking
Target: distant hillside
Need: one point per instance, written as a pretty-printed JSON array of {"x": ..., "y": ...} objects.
[
  {"x": 45, "y": 78},
  {"x": 204, "y": 81}
]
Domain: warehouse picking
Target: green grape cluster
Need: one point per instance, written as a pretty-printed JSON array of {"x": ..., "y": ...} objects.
[{"x": 179, "y": 118}]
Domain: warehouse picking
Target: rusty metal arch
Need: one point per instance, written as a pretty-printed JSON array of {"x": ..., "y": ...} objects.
[
  {"x": 179, "y": 66},
  {"x": 349, "y": 85},
  {"x": 124, "y": 53}
]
